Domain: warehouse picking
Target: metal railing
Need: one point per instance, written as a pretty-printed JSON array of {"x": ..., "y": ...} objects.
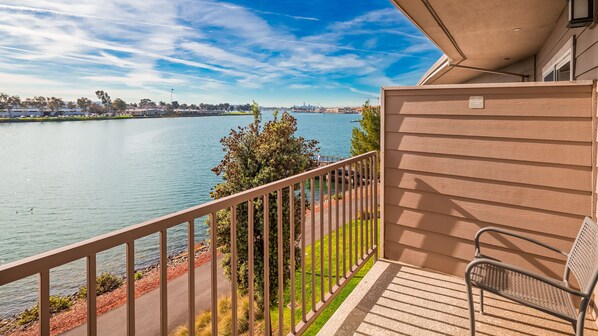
[
  {"x": 328, "y": 158},
  {"x": 358, "y": 186}
]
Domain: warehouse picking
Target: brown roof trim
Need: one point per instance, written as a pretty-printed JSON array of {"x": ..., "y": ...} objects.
[
  {"x": 491, "y": 85},
  {"x": 444, "y": 29}
]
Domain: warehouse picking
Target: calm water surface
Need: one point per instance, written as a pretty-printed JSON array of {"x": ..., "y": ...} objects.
[{"x": 61, "y": 183}]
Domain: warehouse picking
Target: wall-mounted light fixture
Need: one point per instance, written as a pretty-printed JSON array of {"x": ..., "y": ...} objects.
[{"x": 581, "y": 13}]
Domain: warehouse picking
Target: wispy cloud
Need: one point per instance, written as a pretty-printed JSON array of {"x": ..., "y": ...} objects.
[{"x": 225, "y": 50}]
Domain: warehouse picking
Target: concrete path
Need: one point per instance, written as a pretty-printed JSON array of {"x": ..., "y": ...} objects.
[{"x": 147, "y": 307}]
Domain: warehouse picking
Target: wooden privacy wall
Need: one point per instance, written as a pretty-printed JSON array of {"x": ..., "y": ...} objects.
[{"x": 523, "y": 162}]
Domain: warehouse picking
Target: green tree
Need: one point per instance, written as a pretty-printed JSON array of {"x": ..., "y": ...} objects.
[
  {"x": 41, "y": 103},
  {"x": 54, "y": 104},
  {"x": 4, "y": 102},
  {"x": 119, "y": 105},
  {"x": 84, "y": 103},
  {"x": 105, "y": 98},
  {"x": 366, "y": 138},
  {"x": 254, "y": 157},
  {"x": 12, "y": 101}
]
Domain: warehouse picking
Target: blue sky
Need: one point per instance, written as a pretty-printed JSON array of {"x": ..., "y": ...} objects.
[{"x": 332, "y": 53}]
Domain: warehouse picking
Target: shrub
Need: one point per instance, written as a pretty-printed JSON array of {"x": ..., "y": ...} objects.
[
  {"x": 138, "y": 275},
  {"x": 105, "y": 282},
  {"x": 254, "y": 156},
  {"x": 57, "y": 304},
  {"x": 203, "y": 321},
  {"x": 338, "y": 196}
]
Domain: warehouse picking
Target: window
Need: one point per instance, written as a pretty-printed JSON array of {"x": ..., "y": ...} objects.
[{"x": 559, "y": 68}]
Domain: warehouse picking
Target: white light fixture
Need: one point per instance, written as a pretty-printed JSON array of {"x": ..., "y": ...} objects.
[{"x": 581, "y": 13}]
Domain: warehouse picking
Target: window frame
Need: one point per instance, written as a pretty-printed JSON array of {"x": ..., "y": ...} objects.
[{"x": 562, "y": 57}]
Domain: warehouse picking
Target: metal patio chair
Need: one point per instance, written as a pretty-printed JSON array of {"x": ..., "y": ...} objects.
[{"x": 549, "y": 295}]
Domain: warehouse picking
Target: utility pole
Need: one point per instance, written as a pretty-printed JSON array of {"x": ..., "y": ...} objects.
[{"x": 171, "y": 90}]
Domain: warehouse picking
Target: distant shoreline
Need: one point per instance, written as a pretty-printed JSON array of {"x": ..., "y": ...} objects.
[{"x": 84, "y": 118}]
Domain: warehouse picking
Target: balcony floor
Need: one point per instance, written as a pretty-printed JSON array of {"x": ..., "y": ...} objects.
[{"x": 397, "y": 299}]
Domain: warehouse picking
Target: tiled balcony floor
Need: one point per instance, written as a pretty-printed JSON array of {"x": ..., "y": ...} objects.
[{"x": 396, "y": 299}]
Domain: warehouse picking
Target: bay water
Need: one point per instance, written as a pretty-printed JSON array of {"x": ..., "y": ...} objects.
[{"x": 64, "y": 182}]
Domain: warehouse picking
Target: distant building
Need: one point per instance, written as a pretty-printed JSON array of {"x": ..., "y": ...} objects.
[
  {"x": 145, "y": 111},
  {"x": 19, "y": 112}
]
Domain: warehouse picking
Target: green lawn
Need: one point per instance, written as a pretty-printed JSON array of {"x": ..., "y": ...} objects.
[
  {"x": 224, "y": 315},
  {"x": 336, "y": 302}
]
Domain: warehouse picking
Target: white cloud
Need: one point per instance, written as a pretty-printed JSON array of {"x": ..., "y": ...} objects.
[{"x": 207, "y": 45}]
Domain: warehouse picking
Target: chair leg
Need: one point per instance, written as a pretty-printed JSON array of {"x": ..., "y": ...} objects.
[
  {"x": 482, "y": 301},
  {"x": 580, "y": 325},
  {"x": 471, "y": 308}
]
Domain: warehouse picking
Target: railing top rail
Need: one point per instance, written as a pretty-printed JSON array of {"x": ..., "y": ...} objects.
[{"x": 25, "y": 267}]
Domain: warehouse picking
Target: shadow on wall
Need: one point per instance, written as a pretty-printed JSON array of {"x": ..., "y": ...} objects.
[{"x": 449, "y": 251}]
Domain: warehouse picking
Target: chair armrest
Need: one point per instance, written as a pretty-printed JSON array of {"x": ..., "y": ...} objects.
[
  {"x": 522, "y": 271},
  {"x": 512, "y": 234}
]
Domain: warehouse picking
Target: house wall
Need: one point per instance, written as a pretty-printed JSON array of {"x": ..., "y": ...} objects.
[
  {"x": 524, "y": 162},
  {"x": 585, "y": 49}
]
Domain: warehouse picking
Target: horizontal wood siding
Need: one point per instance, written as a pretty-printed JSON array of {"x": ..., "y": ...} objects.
[
  {"x": 585, "y": 49},
  {"x": 524, "y": 163}
]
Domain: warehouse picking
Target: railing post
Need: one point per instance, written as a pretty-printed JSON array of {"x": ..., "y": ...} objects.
[
  {"x": 44, "y": 303},
  {"x": 361, "y": 208},
  {"x": 280, "y": 257},
  {"x": 163, "y": 283},
  {"x": 191, "y": 274},
  {"x": 92, "y": 324},
  {"x": 322, "y": 274},
  {"x": 267, "y": 264},
  {"x": 350, "y": 202},
  {"x": 313, "y": 245},
  {"x": 250, "y": 254},
  {"x": 376, "y": 207},
  {"x": 130, "y": 288},
  {"x": 292, "y": 248},
  {"x": 330, "y": 235},
  {"x": 344, "y": 223},
  {"x": 336, "y": 194},
  {"x": 303, "y": 305},
  {"x": 214, "y": 271},
  {"x": 356, "y": 209},
  {"x": 233, "y": 282},
  {"x": 367, "y": 201}
]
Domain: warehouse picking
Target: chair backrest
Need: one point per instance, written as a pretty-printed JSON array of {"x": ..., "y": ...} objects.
[{"x": 583, "y": 258}]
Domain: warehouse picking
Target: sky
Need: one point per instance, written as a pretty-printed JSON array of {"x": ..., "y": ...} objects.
[{"x": 278, "y": 53}]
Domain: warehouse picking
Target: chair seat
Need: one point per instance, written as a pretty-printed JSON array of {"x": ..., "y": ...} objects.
[{"x": 520, "y": 287}]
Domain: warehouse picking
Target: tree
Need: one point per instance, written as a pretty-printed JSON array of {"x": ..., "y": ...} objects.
[
  {"x": 70, "y": 105},
  {"x": 40, "y": 102},
  {"x": 84, "y": 103},
  {"x": 12, "y": 101},
  {"x": 4, "y": 102},
  {"x": 105, "y": 98},
  {"x": 119, "y": 105},
  {"x": 54, "y": 104},
  {"x": 254, "y": 157},
  {"x": 367, "y": 137},
  {"x": 145, "y": 103},
  {"x": 257, "y": 113}
]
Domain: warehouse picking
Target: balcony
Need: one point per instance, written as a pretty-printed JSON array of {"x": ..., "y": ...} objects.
[
  {"x": 454, "y": 159},
  {"x": 400, "y": 299}
]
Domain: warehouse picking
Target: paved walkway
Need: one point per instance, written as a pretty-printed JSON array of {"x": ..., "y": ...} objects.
[{"x": 147, "y": 307}]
